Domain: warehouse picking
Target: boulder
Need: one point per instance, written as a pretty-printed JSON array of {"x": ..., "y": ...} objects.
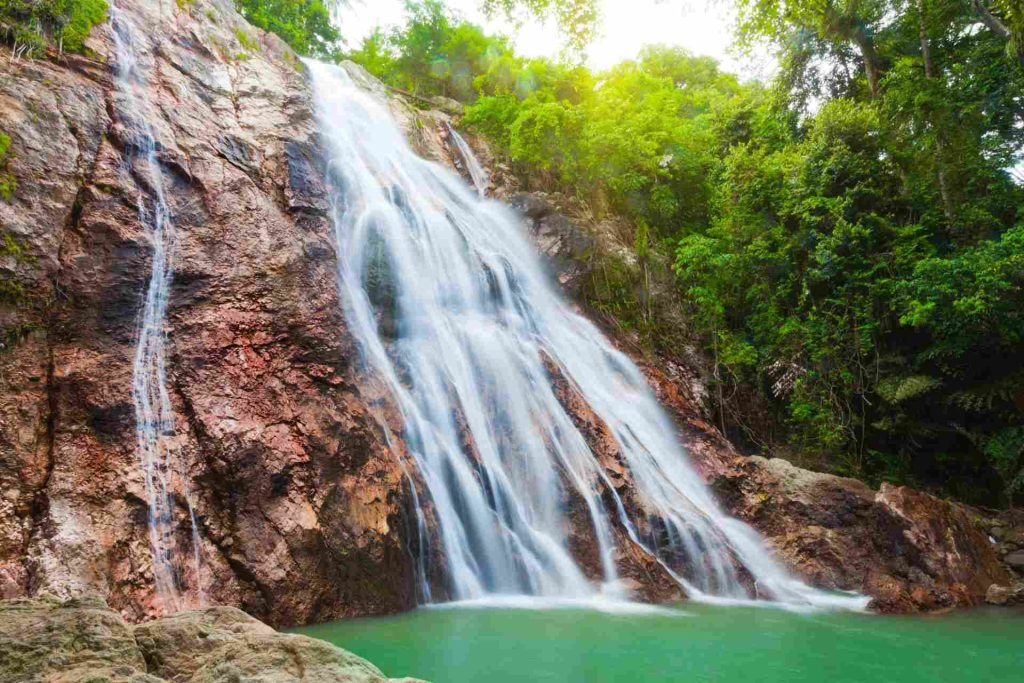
[
  {"x": 1015, "y": 559},
  {"x": 1005, "y": 595},
  {"x": 84, "y": 641},
  {"x": 71, "y": 642},
  {"x": 909, "y": 550}
]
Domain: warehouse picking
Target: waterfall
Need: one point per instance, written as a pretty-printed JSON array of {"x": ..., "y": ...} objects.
[
  {"x": 154, "y": 416},
  {"x": 476, "y": 171},
  {"x": 451, "y": 309}
]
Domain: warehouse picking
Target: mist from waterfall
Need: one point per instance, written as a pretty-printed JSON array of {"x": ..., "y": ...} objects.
[
  {"x": 452, "y": 310},
  {"x": 155, "y": 428}
]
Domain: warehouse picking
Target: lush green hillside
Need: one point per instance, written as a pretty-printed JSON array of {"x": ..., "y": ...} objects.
[{"x": 847, "y": 239}]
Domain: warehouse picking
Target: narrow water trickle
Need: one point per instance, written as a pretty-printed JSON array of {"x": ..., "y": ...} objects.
[
  {"x": 155, "y": 428},
  {"x": 451, "y": 309},
  {"x": 476, "y": 170}
]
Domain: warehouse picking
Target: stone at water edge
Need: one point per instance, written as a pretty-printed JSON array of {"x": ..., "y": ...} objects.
[
  {"x": 1015, "y": 559},
  {"x": 1005, "y": 595},
  {"x": 910, "y": 551},
  {"x": 80, "y": 641}
]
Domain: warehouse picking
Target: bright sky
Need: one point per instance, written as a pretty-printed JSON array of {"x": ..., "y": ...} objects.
[{"x": 701, "y": 26}]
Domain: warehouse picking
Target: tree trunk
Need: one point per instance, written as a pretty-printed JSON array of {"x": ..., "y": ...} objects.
[
  {"x": 848, "y": 27},
  {"x": 948, "y": 206},
  {"x": 867, "y": 52},
  {"x": 999, "y": 28},
  {"x": 990, "y": 20}
]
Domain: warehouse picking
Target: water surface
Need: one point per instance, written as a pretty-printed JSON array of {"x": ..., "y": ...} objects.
[{"x": 695, "y": 644}]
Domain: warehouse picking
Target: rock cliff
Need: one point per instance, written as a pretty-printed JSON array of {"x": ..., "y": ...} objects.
[
  {"x": 301, "y": 505},
  {"x": 298, "y": 499}
]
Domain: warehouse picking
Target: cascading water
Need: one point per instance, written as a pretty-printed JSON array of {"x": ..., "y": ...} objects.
[
  {"x": 154, "y": 416},
  {"x": 476, "y": 170},
  {"x": 451, "y": 309}
]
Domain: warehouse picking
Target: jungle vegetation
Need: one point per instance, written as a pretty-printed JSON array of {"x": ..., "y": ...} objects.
[{"x": 847, "y": 240}]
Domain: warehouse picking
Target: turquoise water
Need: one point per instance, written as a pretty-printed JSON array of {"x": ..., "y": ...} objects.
[{"x": 693, "y": 644}]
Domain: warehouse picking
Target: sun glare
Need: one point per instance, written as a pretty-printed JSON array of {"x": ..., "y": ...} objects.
[{"x": 701, "y": 26}]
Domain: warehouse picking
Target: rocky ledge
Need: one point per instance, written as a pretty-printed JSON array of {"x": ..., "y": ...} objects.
[
  {"x": 83, "y": 640},
  {"x": 909, "y": 550}
]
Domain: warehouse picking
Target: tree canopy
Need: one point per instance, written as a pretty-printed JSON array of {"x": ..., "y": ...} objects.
[
  {"x": 304, "y": 24},
  {"x": 845, "y": 241}
]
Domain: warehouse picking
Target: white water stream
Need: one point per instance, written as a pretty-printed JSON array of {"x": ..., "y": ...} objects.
[
  {"x": 154, "y": 416},
  {"x": 452, "y": 310},
  {"x": 476, "y": 170}
]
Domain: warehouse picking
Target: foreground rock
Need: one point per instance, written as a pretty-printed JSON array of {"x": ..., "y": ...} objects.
[{"x": 82, "y": 641}]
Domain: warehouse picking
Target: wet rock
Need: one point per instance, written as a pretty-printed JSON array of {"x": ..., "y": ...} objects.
[
  {"x": 908, "y": 550},
  {"x": 564, "y": 245},
  {"x": 447, "y": 105},
  {"x": 306, "y": 189},
  {"x": 1015, "y": 559},
  {"x": 299, "y": 501}
]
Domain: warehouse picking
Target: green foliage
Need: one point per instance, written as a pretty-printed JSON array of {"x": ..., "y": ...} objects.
[
  {"x": 8, "y": 184},
  {"x": 11, "y": 291},
  {"x": 304, "y": 24},
  {"x": 847, "y": 243},
  {"x": 247, "y": 41},
  {"x": 577, "y": 18},
  {"x": 872, "y": 256},
  {"x": 1005, "y": 449},
  {"x": 13, "y": 294},
  {"x": 30, "y": 25},
  {"x": 434, "y": 54}
]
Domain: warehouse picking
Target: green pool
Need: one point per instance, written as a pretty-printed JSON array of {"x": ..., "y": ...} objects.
[{"x": 692, "y": 644}]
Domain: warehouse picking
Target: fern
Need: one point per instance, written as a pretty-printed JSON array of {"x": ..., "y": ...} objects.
[{"x": 899, "y": 389}]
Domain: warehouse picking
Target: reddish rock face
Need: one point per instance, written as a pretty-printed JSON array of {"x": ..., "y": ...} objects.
[
  {"x": 298, "y": 497},
  {"x": 908, "y": 550}
]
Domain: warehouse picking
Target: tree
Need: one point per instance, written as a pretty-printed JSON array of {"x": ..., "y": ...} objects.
[
  {"x": 304, "y": 24},
  {"x": 578, "y": 19},
  {"x": 1010, "y": 28},
  {"x": 31, "y": 25}
]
